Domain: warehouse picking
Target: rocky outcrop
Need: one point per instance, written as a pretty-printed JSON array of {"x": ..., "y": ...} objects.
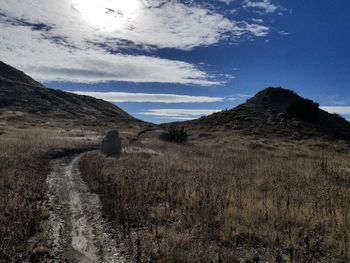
[{"x": 111, "y": 144}]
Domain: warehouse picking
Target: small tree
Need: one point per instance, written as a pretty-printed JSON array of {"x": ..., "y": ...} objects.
[
  {"x": 304, "y": 109},
  {"x": 175, "y": 134}
]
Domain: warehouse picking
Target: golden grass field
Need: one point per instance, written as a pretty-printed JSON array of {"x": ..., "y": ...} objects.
[
  {"x": 229, "y": 199},
  {"x": 222, "y": 198},
  {"x": 24, "y": 166}
]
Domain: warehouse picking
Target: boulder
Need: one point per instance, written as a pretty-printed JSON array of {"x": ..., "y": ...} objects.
[{"x": 111, "y": 144}]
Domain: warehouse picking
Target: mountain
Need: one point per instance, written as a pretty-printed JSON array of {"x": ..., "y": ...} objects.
[
  {"x": 278, "y": 112},
  {"x": 22, "y": 98}
]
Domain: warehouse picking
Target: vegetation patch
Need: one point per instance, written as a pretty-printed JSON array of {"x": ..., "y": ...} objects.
[
  {"x": 175, "y": 134},
  {"x": 304, "y": 109},
  {"x": 24, "y": 166},
  {"x": 215, "y": 203}
]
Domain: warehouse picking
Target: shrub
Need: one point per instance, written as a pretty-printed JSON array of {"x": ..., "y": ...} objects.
[
  {"x": 304, "y": 109},
  {"x": 175, "y": 134},
  {"x": 111, "y": 144}
]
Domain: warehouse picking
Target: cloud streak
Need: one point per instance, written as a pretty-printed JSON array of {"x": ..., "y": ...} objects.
[
  {"x": 344, "y": 110},
  {"x": 227, "y": 2},
  {"x": 116, "y": 97},
  {"x": 179, "y": 114}
]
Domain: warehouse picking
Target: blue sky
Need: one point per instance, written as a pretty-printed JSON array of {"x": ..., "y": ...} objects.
[{"x": 176, "y": 60}]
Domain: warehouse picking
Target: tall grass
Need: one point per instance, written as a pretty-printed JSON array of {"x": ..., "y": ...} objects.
[
  {"x": 21, "y": 192},
  {"x": 24, "y": 166},
  {"x": 224, "y": 204}
]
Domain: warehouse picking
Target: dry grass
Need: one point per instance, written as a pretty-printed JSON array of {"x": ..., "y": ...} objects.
[
  {"x": 224, "y": 202},
  {"x": 23, "y": 170}
]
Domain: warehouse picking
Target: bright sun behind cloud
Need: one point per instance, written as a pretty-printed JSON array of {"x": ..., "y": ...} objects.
[{"x": 107, "y": 15}]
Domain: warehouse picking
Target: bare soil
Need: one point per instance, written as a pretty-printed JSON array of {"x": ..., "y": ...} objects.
[{"x": 79, "y": 231}]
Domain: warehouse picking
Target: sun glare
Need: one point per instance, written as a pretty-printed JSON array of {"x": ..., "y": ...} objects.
[{"x": 107, "y": 15}]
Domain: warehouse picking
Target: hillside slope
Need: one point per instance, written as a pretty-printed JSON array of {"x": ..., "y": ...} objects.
[
  {"x": 21, "y": 97},
  {"x": 268, "y": 114}
]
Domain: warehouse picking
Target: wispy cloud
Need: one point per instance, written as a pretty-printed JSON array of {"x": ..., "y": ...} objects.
[
  {"x": 87, "y": 41},
  {"x": 344, "y": 110},
  {"x": 147, "y": 97},
  {"x": 266, "y": 5},
  {"x": 116, "y": 97},
  {"x": 184, "y": 114},
  {"x": 227, "y": 2},
  {"x": 339, "y": 100},
  {"x": 238, "y": 97}
]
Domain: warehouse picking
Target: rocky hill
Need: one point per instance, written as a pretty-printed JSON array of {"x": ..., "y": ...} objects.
[
  {"x": 22, "y": 98},
  {"x": 278, "y": 112}
]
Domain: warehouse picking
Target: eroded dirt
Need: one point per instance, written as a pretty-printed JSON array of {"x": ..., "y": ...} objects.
[{"x": 79, "y": 232}]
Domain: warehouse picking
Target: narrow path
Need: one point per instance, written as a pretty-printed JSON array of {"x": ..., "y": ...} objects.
[{"x": 79, "y": 232}]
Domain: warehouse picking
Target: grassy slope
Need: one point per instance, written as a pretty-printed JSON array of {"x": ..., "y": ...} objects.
[{"x": 29, "y": 103}]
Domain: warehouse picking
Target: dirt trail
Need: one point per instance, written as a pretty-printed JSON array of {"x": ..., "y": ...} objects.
[{"x": 79, "y": 232}]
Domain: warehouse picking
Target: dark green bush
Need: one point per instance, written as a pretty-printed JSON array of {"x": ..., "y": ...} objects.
[
  {"x": 175, "y": 134},
  {"x": 304, "y": 109}
]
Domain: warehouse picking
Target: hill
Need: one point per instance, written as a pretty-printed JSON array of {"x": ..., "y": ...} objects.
[
  {"x": 277, "y": 112},
  {"x": 24, "y": 99}
]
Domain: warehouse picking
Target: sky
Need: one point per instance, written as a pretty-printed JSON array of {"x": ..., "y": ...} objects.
[{"x": 176, "y": 60}]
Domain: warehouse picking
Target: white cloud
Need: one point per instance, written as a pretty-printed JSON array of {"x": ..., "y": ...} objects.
[
  {"x": 257, "y": 30},
  {"x": 116, "y": 97},
  {"x": 337, "y": 109},
  {"x": 264, "y": 5},
  {"x": 147, "y": 97},
  {"x": 161, "y": 24},
  {"x": 178, "y": 118},
  {"x": 48, "y": 61},
  {"x": 69, "y": 40},
  {"x": 175, "y": 25},
  {"x": 237, "y": 97},
  {"x": 178, "y": 113},
  {"x": 258, "y": 20},
  {"x": 227, "y": 2}
]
